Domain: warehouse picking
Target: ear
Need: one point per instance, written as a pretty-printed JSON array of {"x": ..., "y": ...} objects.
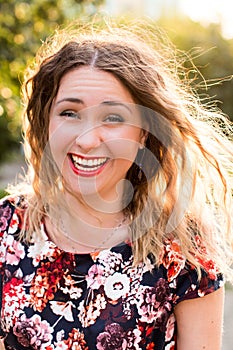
[{"x": 144, "y": 135}]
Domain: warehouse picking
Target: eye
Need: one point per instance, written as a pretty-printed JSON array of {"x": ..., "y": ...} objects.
[
  {"x": 114, "y": 119},
  {"x": 70, "y": 114}
]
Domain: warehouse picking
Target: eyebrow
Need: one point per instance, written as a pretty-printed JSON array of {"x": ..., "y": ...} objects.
[
  {"x": 70, "y": 99},
  {"x": 108, "y": 103},
  {"x": 116, "y": 103}
]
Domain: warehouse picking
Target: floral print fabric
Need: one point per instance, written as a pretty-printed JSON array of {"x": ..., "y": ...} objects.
[{"x": 51, "y": 299}]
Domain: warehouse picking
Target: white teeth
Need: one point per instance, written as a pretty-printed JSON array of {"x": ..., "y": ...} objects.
[
  {"x": 88, "y": 164},
  {"x": 85, "y": 169}
]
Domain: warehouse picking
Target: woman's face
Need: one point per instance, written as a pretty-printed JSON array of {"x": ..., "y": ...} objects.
[{"x": 95, "y": 131}]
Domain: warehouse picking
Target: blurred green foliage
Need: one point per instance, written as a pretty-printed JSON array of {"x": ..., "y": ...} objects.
[
  {"x": 25, "y": 24},
  {"x": 210, "y": 54},
  {"x": 3, "y": 193}
]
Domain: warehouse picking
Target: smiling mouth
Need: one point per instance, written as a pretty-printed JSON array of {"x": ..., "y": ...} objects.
[{"x": 88, "y": 165}]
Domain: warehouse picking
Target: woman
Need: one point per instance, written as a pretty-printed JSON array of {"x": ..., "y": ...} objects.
[{"x": 122, "y": 235}]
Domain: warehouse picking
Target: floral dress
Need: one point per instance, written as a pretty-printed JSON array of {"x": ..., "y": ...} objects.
[{"x": 51, "y": 299}]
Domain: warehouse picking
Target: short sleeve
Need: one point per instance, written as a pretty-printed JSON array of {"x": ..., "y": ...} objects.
[
  {"x": 189, "y": 285},
  {"x": 183, "y": 278}
]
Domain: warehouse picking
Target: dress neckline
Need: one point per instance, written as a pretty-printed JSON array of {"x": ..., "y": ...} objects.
[{"x": 47, "y": 238}]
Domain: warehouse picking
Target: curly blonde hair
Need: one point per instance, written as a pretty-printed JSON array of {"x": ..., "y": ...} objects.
[{"x": 186, "y": 189}]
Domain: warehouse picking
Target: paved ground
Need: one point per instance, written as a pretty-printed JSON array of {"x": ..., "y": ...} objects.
[
  {"x": 8, "y": 174},
  {"x": 228, "y": 320},
  {"x": 10, "y": 171}
]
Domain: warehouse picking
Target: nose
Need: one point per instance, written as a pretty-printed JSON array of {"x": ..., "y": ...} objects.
[{"x": 89, "y": 138}]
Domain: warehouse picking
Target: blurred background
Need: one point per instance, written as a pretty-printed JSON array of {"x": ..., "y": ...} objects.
[{"x": 202, "y": 28}]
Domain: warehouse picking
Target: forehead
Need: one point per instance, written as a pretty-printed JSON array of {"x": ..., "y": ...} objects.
[{"x": 93, "y": 84}]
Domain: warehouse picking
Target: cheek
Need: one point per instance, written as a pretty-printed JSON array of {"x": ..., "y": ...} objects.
[
  {"x": 126, "y": 150},
  {"x": 58, "y": 143},
  {"x": 126, "y": 145},
  {"x": 58, "y": 130}
]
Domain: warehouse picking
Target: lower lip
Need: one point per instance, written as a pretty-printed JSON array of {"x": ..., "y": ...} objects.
[{"x": 87, "y": 173}]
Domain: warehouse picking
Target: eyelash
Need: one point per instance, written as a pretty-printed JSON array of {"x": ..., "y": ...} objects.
[
  {"x": 112, "y": 118},
  {"x": 70, "y": 114}
]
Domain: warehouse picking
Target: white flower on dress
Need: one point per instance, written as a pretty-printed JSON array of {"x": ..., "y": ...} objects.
[
  {"x": 70, "y": 288},
  {"x": 170, "y": 346},
  {"x": 117, "y": 286},
  {"x": 89, "y": 312},
  {"x": 14, "y": 224},
  {"x": 63, "y": 309},
  {"x": 38, "y": 251}
]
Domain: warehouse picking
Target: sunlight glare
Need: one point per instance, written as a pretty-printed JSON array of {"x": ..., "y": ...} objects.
[{"x": 210, "y": 11}]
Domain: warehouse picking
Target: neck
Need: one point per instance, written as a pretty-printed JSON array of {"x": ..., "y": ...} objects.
[
  {"x": 75, "y": 235},
  {"x": 93, "y": 210},
  {"x": 75, "y": 226}
]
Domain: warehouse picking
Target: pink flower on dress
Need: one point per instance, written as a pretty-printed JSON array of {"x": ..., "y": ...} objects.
[
  {"x": 170, "y": 327},
  {"x": 3, "y": 223},
  {"x": 15, "y": 251},
  {"x": 109, "y": 261},
  {"x": 5, "y": 214},
  {"x": 32, "y": 332},
  {"x": 113, "y": 338},
  {"x": 155, "y": 304},
  {"x": 95, "y": 277}
]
